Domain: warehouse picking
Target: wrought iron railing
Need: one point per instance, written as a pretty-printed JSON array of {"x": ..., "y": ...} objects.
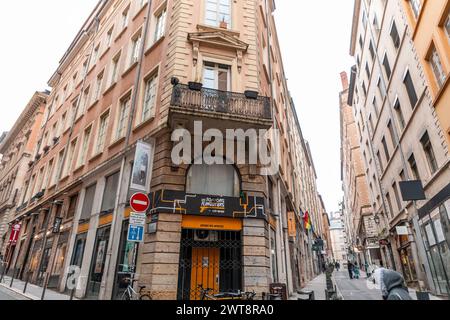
[{"x": 221, "y": 101}]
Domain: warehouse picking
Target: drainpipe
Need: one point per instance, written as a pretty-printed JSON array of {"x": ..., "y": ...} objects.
[{"x": 117, "y": 219}]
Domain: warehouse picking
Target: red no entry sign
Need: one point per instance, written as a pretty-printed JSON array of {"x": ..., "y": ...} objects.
[{"x": 140, "y": 202}]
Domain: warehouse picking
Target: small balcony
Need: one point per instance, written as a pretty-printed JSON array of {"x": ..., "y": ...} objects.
[{"x": 247, "y": 110}]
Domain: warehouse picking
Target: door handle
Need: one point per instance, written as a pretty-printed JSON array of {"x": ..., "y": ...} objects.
[{"x": 217, "y": 278}]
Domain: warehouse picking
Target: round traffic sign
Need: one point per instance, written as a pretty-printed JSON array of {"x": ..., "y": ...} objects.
[{"x": 140, "y": 202}]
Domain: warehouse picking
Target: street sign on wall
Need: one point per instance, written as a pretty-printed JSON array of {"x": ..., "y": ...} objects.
[
  {"x": 140, "y": 202},
  {"x": 135, "y": 233},
  {"x": 15, "y": 231},
  {"x": 138, "y": 219}
]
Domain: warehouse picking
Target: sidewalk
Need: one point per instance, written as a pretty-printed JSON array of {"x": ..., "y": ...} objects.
[
  {"x": 33, "y": 292},
  {"x": 318, "y": 285}
]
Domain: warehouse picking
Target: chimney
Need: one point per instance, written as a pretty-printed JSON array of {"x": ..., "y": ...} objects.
[{"x": 344, "y": 80}]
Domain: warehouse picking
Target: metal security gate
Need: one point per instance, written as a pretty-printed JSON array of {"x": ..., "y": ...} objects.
[{"x": 211, "y": 259}]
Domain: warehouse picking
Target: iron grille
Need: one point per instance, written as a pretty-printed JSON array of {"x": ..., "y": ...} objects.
[
  {"x": 227, "y": 245},
  {"x": 221, "y": 101}
]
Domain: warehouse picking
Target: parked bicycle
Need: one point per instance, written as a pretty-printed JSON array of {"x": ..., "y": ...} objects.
[
  {"x": 206, "y": 294},
  {"x": 131, "y": 294}
]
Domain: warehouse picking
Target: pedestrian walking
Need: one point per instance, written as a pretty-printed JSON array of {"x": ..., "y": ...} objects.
[
  {"x": 392, "y": 284},
  {"x": 337, "y": 266},
  {"x": 350, "y": 269},
  {"x": 356, "y": 272}
]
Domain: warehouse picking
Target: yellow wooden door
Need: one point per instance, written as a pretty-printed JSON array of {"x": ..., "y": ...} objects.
[{"x": 205, "y": 270}]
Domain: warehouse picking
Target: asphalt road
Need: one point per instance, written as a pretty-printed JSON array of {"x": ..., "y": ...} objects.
[
  {"x": 356, "y": 289},
  {"x": 6, "y": 294}
]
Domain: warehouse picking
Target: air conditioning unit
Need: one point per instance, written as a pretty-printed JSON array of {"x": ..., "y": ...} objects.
[{"x": 206, "y": 236}]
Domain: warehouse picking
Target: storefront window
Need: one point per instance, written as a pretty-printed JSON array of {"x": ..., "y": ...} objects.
[
  {"x": 434, "y": 233},
  {"x": 126, "y": 264},
  {"x": 98, "y": 263},
  {"x": 78, "y": 251}
]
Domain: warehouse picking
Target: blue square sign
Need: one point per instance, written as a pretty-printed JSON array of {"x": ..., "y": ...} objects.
[{"x": 135, "y": 233}]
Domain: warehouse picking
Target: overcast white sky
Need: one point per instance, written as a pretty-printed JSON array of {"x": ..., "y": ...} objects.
[{"x": 314, "y": 38}]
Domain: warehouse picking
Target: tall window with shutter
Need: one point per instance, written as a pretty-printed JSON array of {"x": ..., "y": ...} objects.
[{"x": 148, "y": 109}]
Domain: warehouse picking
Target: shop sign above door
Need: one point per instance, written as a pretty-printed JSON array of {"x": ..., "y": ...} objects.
[{"x": 178, "y": 202}]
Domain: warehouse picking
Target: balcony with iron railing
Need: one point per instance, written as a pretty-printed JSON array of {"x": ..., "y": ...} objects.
[{"x": 195, "y": 101}]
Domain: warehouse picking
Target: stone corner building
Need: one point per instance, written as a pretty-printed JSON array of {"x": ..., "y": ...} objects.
[{"x": 135, "y": 72}]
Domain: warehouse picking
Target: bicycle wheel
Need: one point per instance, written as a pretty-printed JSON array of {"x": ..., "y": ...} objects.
[{"x": 145, "y": 297}]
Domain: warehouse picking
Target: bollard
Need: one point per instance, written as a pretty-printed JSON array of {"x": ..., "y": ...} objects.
[
  {"x": 72, "y": 294},
  {"x": 45, "y": 285},
  {"x": 26, "y": 283},
  {"x": 12, "y": 278}
]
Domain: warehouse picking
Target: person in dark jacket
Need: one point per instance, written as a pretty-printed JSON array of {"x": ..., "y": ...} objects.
[
  {"x": 350, "y": 269},
  {"x": 392, "y": 285}
]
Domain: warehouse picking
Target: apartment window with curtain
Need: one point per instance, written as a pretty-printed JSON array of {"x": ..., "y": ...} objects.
[
  {"x": 124, "y": 114},
  {"x": 409, "y": 85},
  {"x": 399, "y": 113},
  {"x": 84, "y": 146},
  {"x": 98, "y": 87},
  {"x": 109, "y": 195},
  {"x": 160, "y": 26},
  {"x": 436, "y": 65},
  {"x": 416, "y": 5},
  {"x": 101, "y": 136},
  {"x": 148, "y": 107},
  {"x": 114, "y": 69},
  {"x": 49, "y": 173},
  {"x": 135, "y": 48},
  {"x": 218, "y": 11},
  {"x": 68, "y": 165},
  {"x": 62, "y": 124},
  {"x": 109, "y": 36},
  {"x": 387, "y": 66},
  {"x": 413, "y": 166},
  {"x": 88, "y": 203},
  {"x": 58, "y": 167},
  {"x": 394, "y": 35},
  {"x": 95, "y": 55},
  {"x": 124, "y": 17},
  {"x": 429, "y": 152},
  {"x": 83, "y": 102}
]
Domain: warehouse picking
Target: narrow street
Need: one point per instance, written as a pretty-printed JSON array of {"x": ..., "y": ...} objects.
[{"x": 355, "y": 289}]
